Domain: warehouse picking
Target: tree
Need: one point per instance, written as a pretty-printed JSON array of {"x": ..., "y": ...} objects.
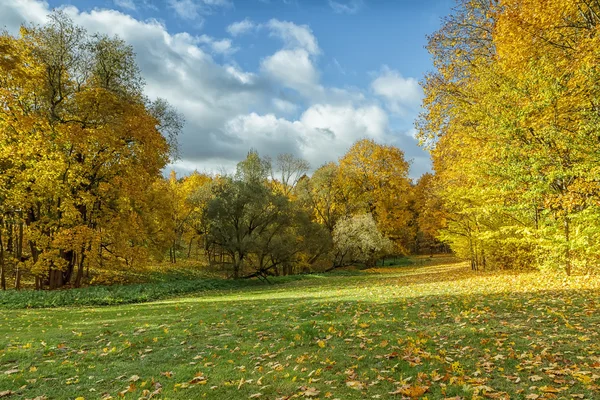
[
  {"x": 376, "y": 177},
  {"x": 429, "y": 215},
  {"x": 259, "y": 228},
  {"x": 357, "y": 239},
  {"x": 511, "y": 117},
  {"x": 79, "y": 147},
  {"x": 323, "y": 196},
  {"x": 188, "y": 197},
  {"x": 288, "y": 171}
]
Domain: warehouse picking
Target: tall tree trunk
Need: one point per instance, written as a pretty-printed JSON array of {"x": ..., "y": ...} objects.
[
  {"x": 69, "y": 257},
  {"x": 19, "y": 249},
  {"x": 190, "y": 247},
  {"x": 39, "y": 284},
  {"x": 2, "y": 267},
  {"x": 18, "y": 278},
  {"x": 568, "y": 265},
  {"x": 473, "y": 255},
  {"x": 80, "y": 261},
  {"x": 483, "y": 260}
]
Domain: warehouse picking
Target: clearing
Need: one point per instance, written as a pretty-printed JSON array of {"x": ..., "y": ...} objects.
[{"x": 434, "y": 331}]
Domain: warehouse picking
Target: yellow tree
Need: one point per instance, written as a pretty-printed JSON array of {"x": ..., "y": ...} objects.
[
  {"x": 376, "y": 179},
  {"x": 511, "y": 118},
  {"x": 79, "y": 148},
  {"x": 189, "y": 196}
]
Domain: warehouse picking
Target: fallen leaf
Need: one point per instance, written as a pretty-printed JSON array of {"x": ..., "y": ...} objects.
[
  {"x": 11, "y": 371},
  {"x": 310, "y": 392},
  {"x": 355, "y": 385}
]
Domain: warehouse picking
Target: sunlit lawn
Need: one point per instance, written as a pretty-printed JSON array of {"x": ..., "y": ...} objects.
[{"x": 424, "y": 332}]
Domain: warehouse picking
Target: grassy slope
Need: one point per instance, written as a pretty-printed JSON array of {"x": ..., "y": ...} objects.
[{"x": 402, "y": 330}]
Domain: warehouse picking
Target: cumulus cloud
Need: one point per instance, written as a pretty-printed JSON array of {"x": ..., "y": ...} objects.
[
  {"x": 348, "y": 7},
  {"x": 186, "y": 9},
  {"x": 13, "y": 13},
  {"x": 402, "y": 95},
  {"x": 322, "y": 130},
  {"x": 241, "y": 27},
  {"x": 292, "y": 68},
  {"x": 220, "y": 46},
  {"x": 294, "y": 65}
]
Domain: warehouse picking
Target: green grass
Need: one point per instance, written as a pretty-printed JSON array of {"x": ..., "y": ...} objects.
[
  {"x": 436, "y": 331},
  {"x": 135, "y": 293}
]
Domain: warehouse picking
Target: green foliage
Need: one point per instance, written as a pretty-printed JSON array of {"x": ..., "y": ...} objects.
[
  {"x": 128, "y": 294},
  {"x": 259, "y": 228}
]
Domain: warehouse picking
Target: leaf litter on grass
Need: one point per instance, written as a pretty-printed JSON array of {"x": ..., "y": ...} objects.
[{"x": 431, "y": 332}]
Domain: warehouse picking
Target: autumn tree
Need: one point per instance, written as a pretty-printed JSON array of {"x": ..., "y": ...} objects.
[
  {"x": 358, "y": 239},
  {"x": 79, "y": 146},
  {"x": 429, "y": 215},
  {"x": 189, "y": 196},
  {"x": 324, "y": 196},
  {"x": 287, "y": 172},
  {"x": 376, "y": 179},
  {"x": 511, "y": 117}
]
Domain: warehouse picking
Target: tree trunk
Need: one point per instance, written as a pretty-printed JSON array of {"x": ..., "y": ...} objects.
[
  {"x": 55, "y": 278},
  {"x": 79, "y": 262},
  {"x": 18, "y": 278},
  {"x": 237, "y": 266},
  {"x": 483, "y": 260},
  {"x": 19, "y": 249},
  {"x": 69, "y": 257},
  {"x": 190, "y": 247},
  {"x": 2, "y": 267},
  {"x": 568, "y": 265}
]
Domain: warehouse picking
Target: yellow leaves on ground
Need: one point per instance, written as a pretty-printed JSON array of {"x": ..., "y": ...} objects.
[
  {"x": 411, "y": 391},
  {"x": 309, "y": 391}
]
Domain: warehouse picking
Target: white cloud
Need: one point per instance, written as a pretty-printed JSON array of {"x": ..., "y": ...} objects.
[
  {"x": 220, "y": 46},
  {"x": 127, "y": 4},
  {"x": 194, "y": 9},
  {"x": 284, "y": 106},
  {"x": 186, "y": 9},
  {"x": 13, "y": 13},
  {"x": 241, "y": 27},
  {"x": 292, "y": 68},
  {"x": 294, "y": 36},
  {"x": 294, "y": 65},
  {"x": 321, "y": 134},
  {"x": 349, "y": 7},
  {"x": 218, "y": 3},
  {"x": 402, "y": 95}
]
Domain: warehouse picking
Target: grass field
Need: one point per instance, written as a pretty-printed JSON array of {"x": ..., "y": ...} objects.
[{"x": 433, "y": 331}]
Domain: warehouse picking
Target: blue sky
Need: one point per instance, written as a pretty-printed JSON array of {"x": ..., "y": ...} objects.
[{"x": 301, "y": 76}]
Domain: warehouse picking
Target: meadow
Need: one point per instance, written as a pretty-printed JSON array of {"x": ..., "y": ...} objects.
[{"x": 431, "y": 331}]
